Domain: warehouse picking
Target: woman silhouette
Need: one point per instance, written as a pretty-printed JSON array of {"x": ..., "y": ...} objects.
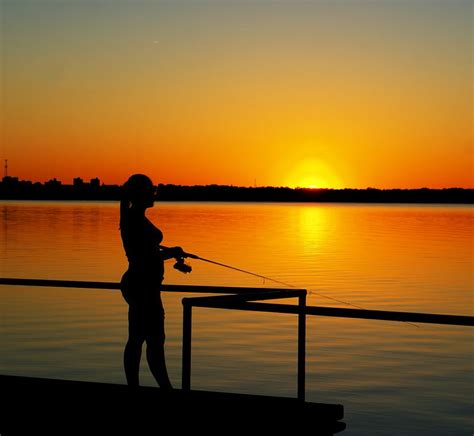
[{"x": 141, "y": 283}]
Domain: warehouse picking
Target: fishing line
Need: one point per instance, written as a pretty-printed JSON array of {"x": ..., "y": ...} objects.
[{"x": 289, "y": 285}]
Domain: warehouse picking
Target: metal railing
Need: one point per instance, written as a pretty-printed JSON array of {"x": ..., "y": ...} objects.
[{"x": 238, "y": 298}]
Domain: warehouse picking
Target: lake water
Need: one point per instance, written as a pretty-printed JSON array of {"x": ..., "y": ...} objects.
[{"x": 393, "y": 378}]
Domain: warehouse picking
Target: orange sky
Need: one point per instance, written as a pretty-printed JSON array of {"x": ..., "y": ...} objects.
[{"x": 323, "y": 94}]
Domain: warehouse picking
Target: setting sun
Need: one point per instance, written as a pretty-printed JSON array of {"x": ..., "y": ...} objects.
[{"x": 314, "y": 174}]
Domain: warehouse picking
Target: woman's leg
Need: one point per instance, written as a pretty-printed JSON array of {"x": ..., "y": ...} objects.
[
  {"x": 133, "y": 349},
  {"x": 155, "y": 354},
  {"x": 155, "y": 346},
  {"x": 131, "y": 360}
]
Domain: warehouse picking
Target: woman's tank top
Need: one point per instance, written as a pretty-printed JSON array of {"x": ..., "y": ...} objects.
[{"x": 141, "y": 239}]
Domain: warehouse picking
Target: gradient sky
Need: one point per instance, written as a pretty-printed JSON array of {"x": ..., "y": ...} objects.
[{"x": 316, "y": 93}]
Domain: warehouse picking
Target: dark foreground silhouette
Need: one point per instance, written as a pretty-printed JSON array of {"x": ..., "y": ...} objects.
[{"x": 45, "y": 406}]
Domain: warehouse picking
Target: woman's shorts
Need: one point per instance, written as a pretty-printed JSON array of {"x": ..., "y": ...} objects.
[{"x": 146, "y": 316}]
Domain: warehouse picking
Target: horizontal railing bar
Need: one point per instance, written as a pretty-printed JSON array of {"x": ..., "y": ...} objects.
[
  {"x": 204, "y": 289},
  {"x": 201, "y": 289},
  {"x": 253, "y": 296},
  {"x": 460, "y": 320},
  {"x": 59, "y": 283},
  {"x": 384, "y": 315},
  {"x": 339, "y": 312}
]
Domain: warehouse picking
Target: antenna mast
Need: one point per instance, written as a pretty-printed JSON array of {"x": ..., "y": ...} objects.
[{"x": 6, "y": 167}]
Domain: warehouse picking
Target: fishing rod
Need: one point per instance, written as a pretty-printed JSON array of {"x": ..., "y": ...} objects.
[{"x": 180, "y": 265}]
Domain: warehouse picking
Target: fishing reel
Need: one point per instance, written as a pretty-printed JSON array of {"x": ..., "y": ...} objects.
[{"x": 180, "y": 265}]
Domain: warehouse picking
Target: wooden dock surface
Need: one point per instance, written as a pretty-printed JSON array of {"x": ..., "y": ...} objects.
[{"x": 49, "y": 406}]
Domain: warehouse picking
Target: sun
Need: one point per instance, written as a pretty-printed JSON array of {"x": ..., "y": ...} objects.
[
  {"x": 313, "y": 174},
  {"x": 309, "y": 181}
]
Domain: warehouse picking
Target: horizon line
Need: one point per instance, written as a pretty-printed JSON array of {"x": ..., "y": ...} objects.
[{"x": 312, "y": 188}]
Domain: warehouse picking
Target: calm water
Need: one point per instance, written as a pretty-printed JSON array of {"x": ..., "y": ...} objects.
[{"x": 393, "y": 378}]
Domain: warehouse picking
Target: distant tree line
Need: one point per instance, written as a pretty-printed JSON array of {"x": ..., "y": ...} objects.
[
  {"x": 14, "y": 189},
  {"x": 284, "y": 194}
]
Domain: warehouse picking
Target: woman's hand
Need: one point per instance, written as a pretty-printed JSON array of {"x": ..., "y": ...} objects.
[
  {"x": 178, "y": 252},
  {"x": 172, "y": 252}
]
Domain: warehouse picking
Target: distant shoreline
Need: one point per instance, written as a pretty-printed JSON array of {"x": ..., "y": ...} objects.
[{"x": 13, "y": 189}]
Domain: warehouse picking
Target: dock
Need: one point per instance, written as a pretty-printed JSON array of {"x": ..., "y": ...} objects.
[{"x": 47, "y": 406}]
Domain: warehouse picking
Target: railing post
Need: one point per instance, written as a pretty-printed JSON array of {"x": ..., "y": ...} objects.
[
  {"x": 301, "y": 346},
  {"x": 187, "y": 323}
]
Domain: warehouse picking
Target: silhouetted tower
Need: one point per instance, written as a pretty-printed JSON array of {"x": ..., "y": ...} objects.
[{"x": 6, "y": 168}]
